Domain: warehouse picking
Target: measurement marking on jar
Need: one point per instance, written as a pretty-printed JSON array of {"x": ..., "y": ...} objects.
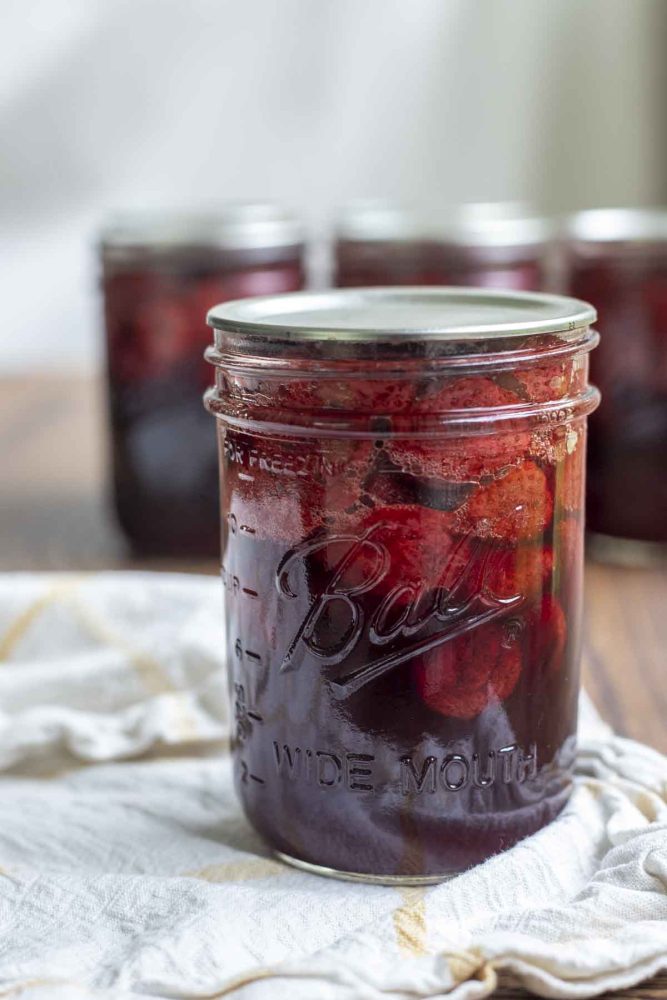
[
  {"x": 244, "y": 475},
  {"x": 250, "y": 653},
  {"x": 246, "y": 773},
  {"x": 233, "y": 585},
  {"x": 256, "y": 716},
  {"x": 248, "y": 530}
]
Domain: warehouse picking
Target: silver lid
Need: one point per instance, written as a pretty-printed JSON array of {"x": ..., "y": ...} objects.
[
  {"x": 618, "y": 225},
  {"x": 236, "y": 226},
  {"x": 490, "y": 224},
  {"x": 374, "y": 219},
  {"x": 477, "y": 224},
  {"x": 390, "y": 314}
]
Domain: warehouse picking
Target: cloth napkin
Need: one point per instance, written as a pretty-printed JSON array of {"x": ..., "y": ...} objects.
[{"x": 128, "y": 870}]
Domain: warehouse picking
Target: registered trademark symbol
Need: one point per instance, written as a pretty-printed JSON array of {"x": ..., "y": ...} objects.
[{"x": 512, "y": 630}]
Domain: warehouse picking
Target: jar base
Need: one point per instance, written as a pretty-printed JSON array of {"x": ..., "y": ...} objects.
[
  {"x": 399, "y": 880},
  {"x": 625, "y": 551}
]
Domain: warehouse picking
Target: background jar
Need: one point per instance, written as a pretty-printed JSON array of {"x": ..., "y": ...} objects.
[
  {"x": 617, "y": 259},
  {"x": 494, "y": 245},
  {"x": 160, "y": 273},
  {"x": 381, "y": 243},
  {"x": 402, "y": 478}
]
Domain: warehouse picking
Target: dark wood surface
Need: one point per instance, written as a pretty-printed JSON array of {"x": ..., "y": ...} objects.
[{"x": 54, "y": 516}]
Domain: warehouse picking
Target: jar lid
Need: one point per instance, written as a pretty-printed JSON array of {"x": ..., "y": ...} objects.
[
  {"x": 374, "y": 219},
  {"x": 495, "y": 225},
  {"x": 618, "y": 225},
  {"x": 492, "y": 225},
  {"x": 376, "y": 315},
  {"x": 236, "y": 226}
]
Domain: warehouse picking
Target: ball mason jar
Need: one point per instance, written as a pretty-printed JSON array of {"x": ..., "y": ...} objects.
[
  {"x": 160, "y": 273},
  {"x": 402, "y": 481},
  {"x": 617, "y": 258}
]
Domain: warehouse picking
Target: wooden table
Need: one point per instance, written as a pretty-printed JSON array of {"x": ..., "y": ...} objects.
[{"x": 54, "y": 516}]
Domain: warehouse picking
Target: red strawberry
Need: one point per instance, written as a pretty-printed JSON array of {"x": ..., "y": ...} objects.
[
  {"x": 460, "y": 459},
  {"x": 544, "y": 382},
  {"x": 465, "y": 675},
  {"x": 421, "y": 552},
  {"x": 524, "y": 569},
  {"x": 514, "y": 508},
  {"x": 377, "y": 396},
  {"x": 380, "y": 397},
  {"x": 463, "y": 393},
  {"x": 465, "y": 458}
]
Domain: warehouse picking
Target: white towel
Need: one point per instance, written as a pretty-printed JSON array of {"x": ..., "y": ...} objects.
[{"x": 127, "y": 868}]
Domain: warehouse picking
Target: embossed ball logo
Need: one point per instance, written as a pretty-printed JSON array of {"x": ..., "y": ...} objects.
[{"x": 391, "y": 624}]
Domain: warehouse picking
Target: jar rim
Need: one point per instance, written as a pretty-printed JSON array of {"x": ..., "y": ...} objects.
[
  {"x": 617, "y": 225},
  {"x": 239, "y": 225},
  {"x": 401, "y": 314},
  {"x": 474, "y": 226}
]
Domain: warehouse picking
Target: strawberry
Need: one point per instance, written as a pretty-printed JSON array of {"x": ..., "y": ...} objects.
[
  {"x": 514, "y": 508},
  {"x": 545, "y": 382},
  {"x": 468, "y": 391},
  {"x": 466, "y": 458},
  {"x": 521, "y": 570},
  {"x": 421, "y": 552},
  {"x": 457, "y": 460},
  {"x": 467, "y": 674}
]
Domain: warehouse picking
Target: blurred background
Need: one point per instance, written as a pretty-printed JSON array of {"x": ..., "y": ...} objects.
[
  {"x": 129, "y": 129},
  {"x": 111, "y": 104}
]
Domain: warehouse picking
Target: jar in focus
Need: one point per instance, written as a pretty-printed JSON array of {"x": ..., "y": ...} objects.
[
  {"x": 617, "y": 259},
  {"x": 402, "y": 482},
  {"x": 160, "y": 273}
]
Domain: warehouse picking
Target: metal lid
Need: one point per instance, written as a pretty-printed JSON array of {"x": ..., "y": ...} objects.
[
  {"x": 478, "y": 224},
  {"x": 491, "y": 224},
  {"x": 237, "y": 226},
  {"x": 618, "y": 225},
  {"x": 375, "y": 219},
  {"x": 375, "y": 315}
]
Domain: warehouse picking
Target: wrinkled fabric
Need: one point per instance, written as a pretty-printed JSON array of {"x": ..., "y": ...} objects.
[{"x": 127, "y": 868}]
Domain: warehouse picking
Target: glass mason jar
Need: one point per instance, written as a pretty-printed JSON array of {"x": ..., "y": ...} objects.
[
  {"x": 160, "y": 273},
  {"x": 495, "y": 245},
  {"x": 617, "y": 258},
  {"x": 402, "y": 479}
]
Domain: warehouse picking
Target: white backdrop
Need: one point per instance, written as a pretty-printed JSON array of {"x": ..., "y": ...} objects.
[{"x": 109, "y": 103}]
